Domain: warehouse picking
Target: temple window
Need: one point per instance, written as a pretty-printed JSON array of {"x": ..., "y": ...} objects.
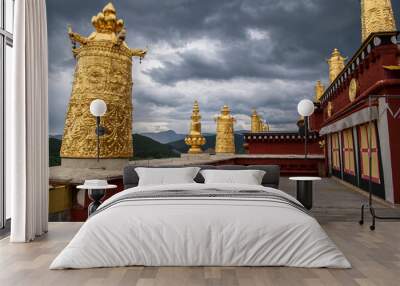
[
  {"x": 348, "y": 151},
  {"x": 364, "y": 133},
  {"x": 335, "y": 152}
]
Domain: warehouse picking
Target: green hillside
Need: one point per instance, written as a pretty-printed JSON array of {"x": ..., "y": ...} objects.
[
  {"x": 144, "y": 148},
  {"x": 54, "y": 152},
  {"x": 147, "y": 148},
  {"x": 183, "y": 148}
]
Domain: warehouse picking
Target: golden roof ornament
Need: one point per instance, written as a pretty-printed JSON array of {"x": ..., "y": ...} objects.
[
  {"x": 195, "y": 139},
  {"x": 336, "y": 64},
  {"x": 103, "y": 71},
  {"x": 225, "y": 138},
  {"x": 319, "y": 91},
  {"x": 257, "y": 123},
  {"x": 265, "y": 127},
  {"x": 376, "y": 16}
]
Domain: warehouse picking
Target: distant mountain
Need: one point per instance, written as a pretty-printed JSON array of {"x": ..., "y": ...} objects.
[
  {"x": 56, "y": 136},
  {"x": 164, "y": 136},
  {"x": 181, "y": 147},
  {"x": 170, "y": 136},
  {"x": 241, "y": 131},
  {"x": 148, "y": 148}
]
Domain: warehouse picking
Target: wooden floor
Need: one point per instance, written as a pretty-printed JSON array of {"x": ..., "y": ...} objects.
[{"x": 375, "y": 256}]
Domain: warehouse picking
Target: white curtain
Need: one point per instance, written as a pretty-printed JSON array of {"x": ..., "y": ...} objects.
[{"x": 27, "y": 124}]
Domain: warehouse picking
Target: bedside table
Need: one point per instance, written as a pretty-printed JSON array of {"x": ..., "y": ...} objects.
[
  {"x": 304, "y": 193},
  {"x": 96, "y": 192}
]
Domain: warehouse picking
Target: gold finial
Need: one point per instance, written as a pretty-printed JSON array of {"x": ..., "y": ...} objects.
[
  {"x": 195, "y": 139},
  {"x": 225, "y": 138},
  {"x": 376, "y": 16},
  {"x": 257, "y": 123},
  {"x": 336, "y": 64},
  {"x": 103, "y": 71},
  {"x": 265, "y": 127},
  {"x": 107, "y": 22},
  {"x": 109, "y": 8},
  {"x": 319, "y": 91}
]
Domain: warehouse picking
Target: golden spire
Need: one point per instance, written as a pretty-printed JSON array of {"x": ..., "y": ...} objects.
[
  {"x": 257, "y": 123},
  {"x": 319, "y": 91},
  {"x": 195, "y": 139},
  {"x": 336, "y": 64},
  {"x": 265, "y": 127},
  {"x": 376, "y": 16},
  {"x": 103, "y": 71},
  {"x": 225, "y": 138}
]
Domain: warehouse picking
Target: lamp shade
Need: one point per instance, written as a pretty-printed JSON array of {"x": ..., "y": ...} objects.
[
  {"x": 305, "y": 107},
  {"x": 98, "y": 107}
]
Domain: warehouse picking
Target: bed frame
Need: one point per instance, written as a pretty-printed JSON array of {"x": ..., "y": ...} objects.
[{"x": 270, "y": 179}]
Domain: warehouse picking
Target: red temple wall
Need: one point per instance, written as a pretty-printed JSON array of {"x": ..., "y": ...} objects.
[
  {"x": 316, "y": 120},
  {"x": 376, "y": 74},
  {"x": 284, "y": 147},
  {"x": 369, "y": 74},
  {"x": 394, "y": 139}
]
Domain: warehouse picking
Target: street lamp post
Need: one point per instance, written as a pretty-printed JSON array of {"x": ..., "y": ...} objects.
[
  {"x": 98, "y": 108},
  {"x": 305, "y": 108}
]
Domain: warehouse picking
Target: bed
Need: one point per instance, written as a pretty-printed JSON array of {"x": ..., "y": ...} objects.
[{"x": 197, "y": 224}]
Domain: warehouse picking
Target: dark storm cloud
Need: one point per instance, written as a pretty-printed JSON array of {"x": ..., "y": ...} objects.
[{"x": 256, "y": 53}]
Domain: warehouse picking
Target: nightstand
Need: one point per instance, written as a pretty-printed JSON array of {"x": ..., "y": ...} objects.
[
  {"x": 96, "y": 192},
  {"x": 304, "y": 193}
]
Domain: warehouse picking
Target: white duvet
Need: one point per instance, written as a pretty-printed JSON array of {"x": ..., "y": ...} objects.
[{"x": 202, "y": 232}]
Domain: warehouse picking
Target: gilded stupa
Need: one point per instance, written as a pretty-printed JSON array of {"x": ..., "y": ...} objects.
[
  {"x": 376, "y": 16},
  {"x": 103, "y": 71},
  {"x": 257, "y": 123},
  {"x": 336, "y": 64},
  {"x": 319, "y": 91},
  {"x": 195, "y": 139},
  {"x": 225, "y": 138}
]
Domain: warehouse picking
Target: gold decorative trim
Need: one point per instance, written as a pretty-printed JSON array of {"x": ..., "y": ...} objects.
[{"x": 353, "y": 89}]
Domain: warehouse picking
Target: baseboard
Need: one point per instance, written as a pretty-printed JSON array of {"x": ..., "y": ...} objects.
[{"x": 365, "y": 193}]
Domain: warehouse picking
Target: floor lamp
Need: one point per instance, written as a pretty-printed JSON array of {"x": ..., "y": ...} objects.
[
  {"x": 98, "y": 108},
  {"x": 305, "y": 108}
]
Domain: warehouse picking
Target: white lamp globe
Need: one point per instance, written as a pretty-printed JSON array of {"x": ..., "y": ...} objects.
[
  {"x": 98, "y": 107},
  {"x": 305, "y": 107}
]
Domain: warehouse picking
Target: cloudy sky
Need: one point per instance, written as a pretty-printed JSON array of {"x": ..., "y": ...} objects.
[{"x": 255, "y": 53}]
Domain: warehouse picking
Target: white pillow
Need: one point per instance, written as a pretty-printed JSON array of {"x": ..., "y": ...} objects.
[
  {"x": 247, "y": 177},
  {"x": 166, "y": 176}
]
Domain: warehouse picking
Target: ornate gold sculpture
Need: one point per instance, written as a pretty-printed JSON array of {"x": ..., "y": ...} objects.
[
  {"x": 336, "y": 64},
  {"x": 376, "y": 16},
  {"x": 103, "y": 71},
  {"x": 225, "y": 140},
  {"x": 257, "y": 123},
  {"x": 195, "y": 139},
  {"x": 265, "y": 127},
  {"x": 319, "y": 91}
]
